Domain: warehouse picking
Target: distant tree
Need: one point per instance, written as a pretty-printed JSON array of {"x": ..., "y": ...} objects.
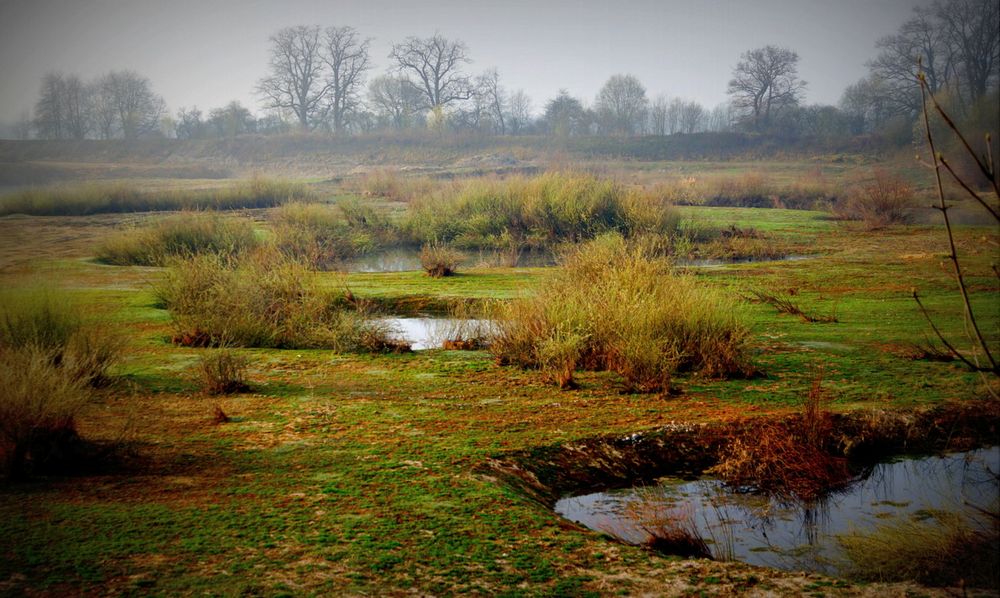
[
  {"x": 918, "y": 41},
  {"x": 621, "y": 105},
  {"x": 494, "y": 99},
  {"x": 971, "y": 31},
  {"x": 22, "y": 127},
  {"x": 297, "y": 81},
  {"x": 658, "y": 111},
  {"x": 692, "y": 116},
  {"x": 346, "y": 56},
  {"x": 395, "y": 100},
  {"x": 231, "y": 120},
  {"x": 565, "y": 115},
  {"x": 673, "y": 116},
  {"x": 189, "y": 124},
  {"x": 867, "y": 104},
  {"x": 435, "y": 63},
  {"x": 124, "y": 102},
  {"x": 62, "y": 109},
  {"x": 519, "y": 112},
  {"x": 765, "y": 81},
  {"x": 720, "y": 119}
]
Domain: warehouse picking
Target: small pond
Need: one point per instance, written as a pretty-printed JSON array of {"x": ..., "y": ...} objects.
[
  {"x": 425, "y": 332},
  {"x": 767, "y": 532},
  {"x": 405, "y": 260}
]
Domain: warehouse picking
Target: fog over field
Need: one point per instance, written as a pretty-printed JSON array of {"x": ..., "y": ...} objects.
[{"x": 210, "y": 53}]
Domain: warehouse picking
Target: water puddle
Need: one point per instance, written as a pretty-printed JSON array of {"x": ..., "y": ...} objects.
[
  {"x": 426, "y": 332},
  {"x": 761, "y": 531}
]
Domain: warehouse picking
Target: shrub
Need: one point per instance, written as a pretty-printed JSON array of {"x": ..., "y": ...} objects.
[
  {"x": 262, "y": 299},
  {"x": 100, "y": 198},
  {"x": 535, "y": 213},
  {"x": 48, "y": 322},
  {"x": 224, "y": 372},
  {"x": 615, "y": 306},
  {"x": 38, "y": 403},
  {"x": 178, "y": 235},
  {"x": 319, "y": 234},
  {"x": 390, "y": 184},
  {"x": 439, "y": 260},
  {"x": 885, "y": 200}
]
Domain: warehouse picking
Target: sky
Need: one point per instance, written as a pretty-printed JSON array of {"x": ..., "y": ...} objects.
[{"x": 207, "y": 53}]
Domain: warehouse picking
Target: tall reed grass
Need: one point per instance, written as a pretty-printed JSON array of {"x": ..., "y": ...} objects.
[
  {"x": 614, "y": 305},
  {"x": 100, "y": 198},
  {"x": 324, "y": 235},
  {"x": 262, "y": 299},
  {"x": 188, "y": 233}
]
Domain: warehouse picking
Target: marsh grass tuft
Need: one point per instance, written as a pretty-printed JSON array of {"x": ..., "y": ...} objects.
[
  {"x": 102, "y": 198},
  {"x": 223, "y": 371},
  {"x": 439, "y": 260},
  {"x": 616, "y": 306},
  {"x": 262, "y": 299},
  {"x": 183, "y": 234}
]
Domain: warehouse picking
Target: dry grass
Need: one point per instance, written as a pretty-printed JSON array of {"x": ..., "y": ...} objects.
[
  {"x": 439, "y": 260},
  {"x": 223, "y": 371},
  {"x": 188, "y": 233},
  {"x": 669, "y": 529},
  {"x": 783, "y": 302},
  {"x": 38, "y": 406},
  {"x": 885, "y": 200},
  {"x": 391, "y": 184},
  {"x": 321, "y": 235},
  {"x": 99, "y": 198},
  {"x": 615, "y": 306}
]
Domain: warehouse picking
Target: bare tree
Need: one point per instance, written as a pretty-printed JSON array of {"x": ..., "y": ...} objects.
[
  {"x": 765, "y": 80},
  {"x": 346, "y": 56},
  {"x": 494, "y": 98},
  {"x": 395, "y": 99},
  {"x": 621, "y": 105},
  {"x": 971, "y": 30},
  {"x": 137, "y": 110},
  {"x": 435, "y": 62},
  {"x": 565, "y": 115},
  {"x": 103, "y": 114},
  {"x": 296, "y": 81},
  {"x": 658, "y": 111},
  {"x": 519, "y": 111},
  {"x": 918, "y": 41},
  {"x": 674, "y": 116},
  {"x": 231, "y": 120},
  {"x": 692, "y": 117},
  {"x": 61, "y": 111}
]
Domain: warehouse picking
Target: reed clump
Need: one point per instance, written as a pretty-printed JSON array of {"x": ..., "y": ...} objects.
[
  {"x": 615, "y": 305},
  {"x": 187, "y": 233}
]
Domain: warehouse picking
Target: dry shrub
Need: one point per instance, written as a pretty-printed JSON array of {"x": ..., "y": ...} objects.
[
  {"x": 38, "y": 404},
  {"x": 391, "y": 184},
  {"x": 319, "y": 234},
  {"x": 188, "y": 233},
  {"x": 669, "y": 529},
  {"x": 224, "y": 372},
  {"x": 885, "y": 200},
  {"x": 614, "y": 305},
  {"x": 439, "y": 260},
  {"x": 791, "y": 459},
  {"x": 49, "y": 322},
  {"x": 751, "y": 190},
  {"x": 260, "y": 300},
  {"x": 783, "y": 302}
]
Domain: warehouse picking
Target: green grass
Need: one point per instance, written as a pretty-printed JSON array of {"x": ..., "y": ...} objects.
[{"x": 358, "y": 474}]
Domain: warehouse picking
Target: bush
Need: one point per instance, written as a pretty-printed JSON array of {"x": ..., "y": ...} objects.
[
  {"x": 615, "y": 306},
  {"x": 535, "y": 213},
  {"x": 224, "y": 372},
  {"x": 48, "y": 322},
  {"x": 263, "y": 299},
  {"x": 885, "y": 200},
  {"x": 390, "y": 184},
  {"x": 179, "y": 235},
  {"x": 439, "y": 260},
  {"x": 318, "y": 234},
  {"x": 100, "y": 198},
  {"x": 38, "y": 403}
]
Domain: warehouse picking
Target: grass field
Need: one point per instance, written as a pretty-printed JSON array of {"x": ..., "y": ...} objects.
[{"x": 363, "y": 473}]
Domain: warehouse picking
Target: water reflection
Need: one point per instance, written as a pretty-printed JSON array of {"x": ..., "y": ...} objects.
[{"x": 762, "y": 531}]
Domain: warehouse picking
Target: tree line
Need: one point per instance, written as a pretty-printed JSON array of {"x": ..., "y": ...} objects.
[{"x": 317, "y": 79}]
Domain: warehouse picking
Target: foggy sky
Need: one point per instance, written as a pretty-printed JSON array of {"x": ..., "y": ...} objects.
[{"x": 209, "y": 52}]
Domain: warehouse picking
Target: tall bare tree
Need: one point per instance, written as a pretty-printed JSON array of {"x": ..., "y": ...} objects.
[
  {"x": 137, "y": 110},
  {"x": 395, "y": 99},
  {"x": 621, "y": 105},
  {"x": 971, "y": 30},
  {"x": 519, "y": 112},
  {"x": 919, "y": 41},
  {"x": 692, "y": 117},
  {"x": 765, "y": 80},
  {"x": 658, "y": 111},
  {"x": 61, "y": 111},
  {"x": 494, "y": 98},
  {"x": 435, "y": 62},
  {"x": 346, "y": 56},
  {"x": 296, "y": 81}
]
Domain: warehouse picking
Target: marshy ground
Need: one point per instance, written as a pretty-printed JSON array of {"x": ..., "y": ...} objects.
[{"x": 364, "y": 473}]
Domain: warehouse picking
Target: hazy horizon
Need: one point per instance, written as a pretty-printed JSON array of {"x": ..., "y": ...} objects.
[{"x": 208, "y": 54}]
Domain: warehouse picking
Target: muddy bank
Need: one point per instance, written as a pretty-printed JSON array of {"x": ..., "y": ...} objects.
[{"x": 687, "y": 450}]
